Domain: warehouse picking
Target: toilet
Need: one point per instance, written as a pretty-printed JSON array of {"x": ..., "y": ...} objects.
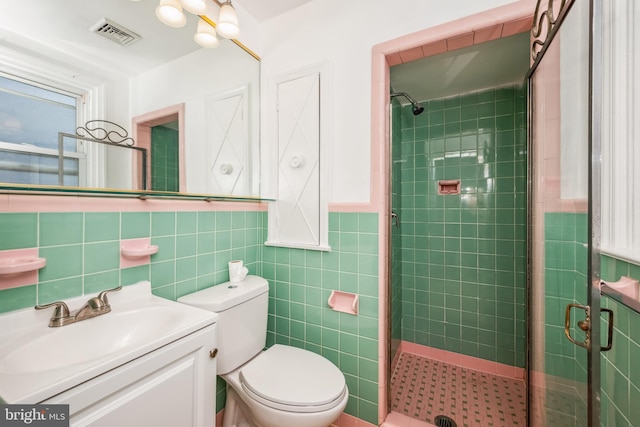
[{"x": 281, "y": 386}]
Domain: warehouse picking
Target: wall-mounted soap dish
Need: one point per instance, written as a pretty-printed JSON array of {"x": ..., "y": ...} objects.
[
  {"x": 136, "y": 252},
  {"x": 344, "y": 302},
  {"x": 451, "y": 186},
  {"x": 626, "y": 285},
  {"x": 21, "y": 264}
]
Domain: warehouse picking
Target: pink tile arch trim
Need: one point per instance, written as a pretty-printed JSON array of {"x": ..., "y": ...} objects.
[
  {"x": 434, "y": 48},
  {"x": 396, "y": 419},
  {"x": 42, "y": 203},
  {"x": 513, "y": 18},
  {"x": 20, "y": 279},
  {"x": 463, "y": 360},
  {"x": 219, "y": 417},
  {"x": 142, "y": 134},
  {"x": 459, "y": 42},
  {"x": 126, "y": 262}
]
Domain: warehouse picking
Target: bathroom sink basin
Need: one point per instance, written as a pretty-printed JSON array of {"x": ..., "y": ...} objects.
[
  {"x": 38, "y": 361},
  {"x": 85, "y": 341}
]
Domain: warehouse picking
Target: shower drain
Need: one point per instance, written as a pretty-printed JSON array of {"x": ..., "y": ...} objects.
[{"x": 444, "y": 421}]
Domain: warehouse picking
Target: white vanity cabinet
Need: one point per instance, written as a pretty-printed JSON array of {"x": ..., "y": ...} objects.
[{"x": 172, "y": 386}]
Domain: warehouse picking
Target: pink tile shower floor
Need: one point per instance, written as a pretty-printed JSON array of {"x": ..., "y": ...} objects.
[{"x": 422, "y": 388}]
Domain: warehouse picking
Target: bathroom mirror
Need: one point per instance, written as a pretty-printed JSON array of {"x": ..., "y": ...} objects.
[{"x": 151, "y": 76}]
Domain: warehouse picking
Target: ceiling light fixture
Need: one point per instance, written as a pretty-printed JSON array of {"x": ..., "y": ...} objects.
[
  {"x": 205, "y": 36},
  {"x": 197, "y": 7},
  {"x": 228, "y": 21},
  {"x": 169, "y": 12}
]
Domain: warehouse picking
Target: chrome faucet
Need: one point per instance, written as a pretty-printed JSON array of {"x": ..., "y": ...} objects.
[{"x": 94, "y": 307}]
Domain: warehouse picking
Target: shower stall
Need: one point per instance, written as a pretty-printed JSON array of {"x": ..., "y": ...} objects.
[
  {"x": 496, "y": 227},
  {"x": 458, "y": 231}
]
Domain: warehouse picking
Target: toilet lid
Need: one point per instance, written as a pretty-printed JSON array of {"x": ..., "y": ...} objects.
[{"x": 290, "y": 378}]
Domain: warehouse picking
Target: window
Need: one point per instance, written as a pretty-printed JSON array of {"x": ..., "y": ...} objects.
[{"x": 31, "y": 116}]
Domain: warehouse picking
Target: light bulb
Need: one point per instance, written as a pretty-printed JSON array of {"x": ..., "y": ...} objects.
[
  {"x": 169, "y": 12},
  {"x": 228, "y": 22},
  {"x": 205, "y": 36},
  {"x": 197, "y": 7}
]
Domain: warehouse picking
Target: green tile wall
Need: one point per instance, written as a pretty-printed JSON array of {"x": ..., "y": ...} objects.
[
  {"x": 620, "y": 367},
  {"x": 565, "y": 281},
  {"x": 164, "y": 159},
  {"x": 463, "y": 256},
  {"x": 300, "y": 284},
  {"x": 396, "y": 238},
  {"x": 83, "y": 258},
  {"x": 83, "y": 255}
]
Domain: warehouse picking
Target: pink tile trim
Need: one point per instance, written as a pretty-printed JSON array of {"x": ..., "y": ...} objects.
[
  {"x": 459, "y": 42},
  {"x": 126, "y": 262},
  {"x": 411, "y": 54},
  {"x": 487, "y": 34},
  {"x": 396, "y": 419},
  {"x": 516, "y": 27},
  {"x": 346, "y": 420},
  {"x": 219, "y": 417},
  {"x": 463, "y": 360},
  {"x": 44, "y": 203},
  {"x": 19, "y": 279},
  {"x": 394, "y": 59},
  {"x": 434, "y": 48},
  {"x": 142, "y": 133}
]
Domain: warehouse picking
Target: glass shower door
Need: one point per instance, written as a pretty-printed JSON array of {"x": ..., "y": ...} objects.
[{"x": 563, "y": 375}]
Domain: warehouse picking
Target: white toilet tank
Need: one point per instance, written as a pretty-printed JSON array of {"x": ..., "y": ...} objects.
[{"x": 242, "y": 324}]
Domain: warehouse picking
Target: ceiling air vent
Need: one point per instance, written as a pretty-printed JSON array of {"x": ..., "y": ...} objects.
[{"x": 115, "y": 32}]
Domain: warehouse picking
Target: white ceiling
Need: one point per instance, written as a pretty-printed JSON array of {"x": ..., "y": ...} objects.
[
  {"x": 492, "y": 64},
  {"x": 263, "y": 10},
  {"x": 65, "y": 33},
  {"x": 62, "y": 27}
]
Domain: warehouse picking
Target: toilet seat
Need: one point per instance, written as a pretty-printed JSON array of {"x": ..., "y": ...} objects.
[{"x": 294, "y": 380}]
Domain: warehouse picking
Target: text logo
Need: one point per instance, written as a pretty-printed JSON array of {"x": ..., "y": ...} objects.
[{"x": 34, "y": 415}]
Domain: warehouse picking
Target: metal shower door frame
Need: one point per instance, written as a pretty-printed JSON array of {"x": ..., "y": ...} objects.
[{"x": 594, "y": 180}]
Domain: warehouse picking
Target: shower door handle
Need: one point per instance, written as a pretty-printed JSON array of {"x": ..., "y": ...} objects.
[
  {"x": 582, "y": 325},
  {"x": 585, "y": 325},
  {"x": 395, "y": 219}
]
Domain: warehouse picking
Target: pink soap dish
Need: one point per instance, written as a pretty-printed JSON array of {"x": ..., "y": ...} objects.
[
  {"x": 21, "y": 264},
  {"x": 344, "y": 302},
  {"x": 135, "y": 252},
  {"x": 626, "y": 285}
]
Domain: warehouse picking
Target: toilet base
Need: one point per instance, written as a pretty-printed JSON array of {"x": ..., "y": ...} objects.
[
  {"x": 238, "y": 414},
  {"x": 234, "y": 411}
]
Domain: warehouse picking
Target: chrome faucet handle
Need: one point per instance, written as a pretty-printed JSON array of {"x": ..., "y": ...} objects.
[
  {"x": 102, "y": 296},
  {"x": 61, "y": 315}
]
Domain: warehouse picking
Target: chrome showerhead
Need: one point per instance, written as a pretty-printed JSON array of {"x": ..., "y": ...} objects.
[{"x": 416, "y": 108}]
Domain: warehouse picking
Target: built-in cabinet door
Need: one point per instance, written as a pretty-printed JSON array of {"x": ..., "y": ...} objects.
[
  {"x": 298, "y": 206},
  {"x": 229, "y": 156},
  {"x": 564, "y": 298}
]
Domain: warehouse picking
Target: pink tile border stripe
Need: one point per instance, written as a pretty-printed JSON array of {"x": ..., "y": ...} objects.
[
  {"x": 79, "y": 203},
  {"x": 463, "y": 361},
  {"x": 346, "y": 420},
  {"x": 396, "y": 419}
]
